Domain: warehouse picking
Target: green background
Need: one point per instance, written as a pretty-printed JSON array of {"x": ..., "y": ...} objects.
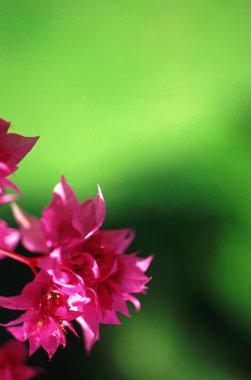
[{"x": 151, "y": 100}]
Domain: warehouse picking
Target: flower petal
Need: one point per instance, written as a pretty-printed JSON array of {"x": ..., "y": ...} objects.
[
  {"x": 32, "y": 233},
  {"x": 118, "y": 239},
  {"x": 92, "y": 214}
]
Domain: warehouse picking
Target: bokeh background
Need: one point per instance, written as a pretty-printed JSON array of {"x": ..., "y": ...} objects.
[{"x": 150, "y": 99}]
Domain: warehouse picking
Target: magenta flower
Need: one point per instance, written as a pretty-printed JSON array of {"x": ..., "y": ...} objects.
[
  {"x": 9, "y": 237},
  {"x": 62, "y": 222},
  {"x": 69, "y": 236},
  {"x": 83, "y": 273},
  {"x": 49, "y": 310},
  {"x": 109, "y": 277},
  {"x": 13, "y": 355},
  {"x": 13, "y": 148}
]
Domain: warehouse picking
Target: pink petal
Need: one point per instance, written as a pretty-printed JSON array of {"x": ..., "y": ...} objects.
[
  {"x": 7, "y": 183},
  {"x": 66, "y": 194},
  {"x": 23, "y": 317},
  {"x": 5, "y": 170},
  {"x": 118, "y": 239},
  {"x": 48, "y": 335},
  {"x": 89, "y": 321},
  {"x": 134, "y": 301},
  {"x": 58, "y": 217},
  {"x": 109, "y": 317},
  {"x": 35, "y": 343},
  {"x": 4, "y": 126},
  {"x": 9, "y": 237},
  {"x": 17, "y": 332},
  {"x": 91, "y": 335},
  {"x": 6, "y": 198},
  {"x": 32, "y": 233},
  {"x": 107, "y": 265},
  {"x": 92, "y": 214},
  {"x": 143, "y": 264},
  {"x": 19, "y": 302},
  {"x": 30, "y": 295},
  {"x": 19, "y": 146}
]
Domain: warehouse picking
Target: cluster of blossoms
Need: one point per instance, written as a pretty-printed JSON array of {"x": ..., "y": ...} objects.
[
  {"x": 81, "y": 273},
  {"x": 13, "y": 355}
]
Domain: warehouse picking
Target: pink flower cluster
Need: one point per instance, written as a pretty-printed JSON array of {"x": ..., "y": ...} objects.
[
  {"x": 13, "y": 355},
  {"x": 82, "y": 273},
  {"x": 13, "y": 148}
]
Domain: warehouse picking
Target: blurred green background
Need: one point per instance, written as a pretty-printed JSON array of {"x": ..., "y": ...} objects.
[{"x": 150, "y": 99}]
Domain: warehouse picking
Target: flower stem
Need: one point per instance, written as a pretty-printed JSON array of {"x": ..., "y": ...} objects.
[{"x": 20, "y": 258}]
